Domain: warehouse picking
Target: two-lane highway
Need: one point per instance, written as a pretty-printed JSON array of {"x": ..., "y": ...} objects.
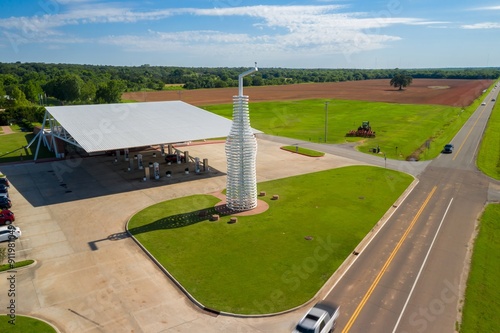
[{"x": 411, "y": 277}]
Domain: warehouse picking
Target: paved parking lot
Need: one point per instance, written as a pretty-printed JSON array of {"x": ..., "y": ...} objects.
[{"x": 89, "y": 276}]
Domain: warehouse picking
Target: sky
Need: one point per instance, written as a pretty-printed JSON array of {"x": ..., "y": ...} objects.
[{"x": 367, "y": 34}]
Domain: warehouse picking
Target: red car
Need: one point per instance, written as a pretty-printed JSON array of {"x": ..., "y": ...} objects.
[{"x": 6, "y": 217}]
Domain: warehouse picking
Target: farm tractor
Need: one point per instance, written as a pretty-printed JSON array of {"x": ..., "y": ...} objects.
[{"x": 364, "y": 131}]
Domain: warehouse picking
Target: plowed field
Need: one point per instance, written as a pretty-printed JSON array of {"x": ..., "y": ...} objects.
[{"x": 422, "y": 91}]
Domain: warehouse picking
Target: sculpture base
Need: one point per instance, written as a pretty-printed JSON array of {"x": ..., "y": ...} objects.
[{"x": 221, "y": 207}]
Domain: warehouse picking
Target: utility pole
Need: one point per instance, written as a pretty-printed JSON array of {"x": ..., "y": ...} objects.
[{"x": 326, "y": 120}]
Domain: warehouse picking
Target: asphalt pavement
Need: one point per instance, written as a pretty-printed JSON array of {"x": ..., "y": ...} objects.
[
  {"x": 91, "y": 277},
  {"x": 412, "y": 276}
]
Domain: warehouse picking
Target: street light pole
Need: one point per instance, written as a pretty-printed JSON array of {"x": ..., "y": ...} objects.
[{"x": 326, "y": 120}]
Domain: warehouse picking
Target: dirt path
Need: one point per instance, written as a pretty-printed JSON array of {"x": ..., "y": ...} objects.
[{"x": 6, "y": 130}]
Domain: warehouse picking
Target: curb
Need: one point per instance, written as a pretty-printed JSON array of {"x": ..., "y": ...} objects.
[
  {"x": 381, "y": 223},
  {"x": 167, "y": 273},
  {"x": 40, "y": 319},
  {"x": 343, "y": 268},
  {"x": 191, "y": 297},
  {"x": 21, "y": 268},
  {"x": 299, "y": 153},
  {"x": 351, "y": 259}
]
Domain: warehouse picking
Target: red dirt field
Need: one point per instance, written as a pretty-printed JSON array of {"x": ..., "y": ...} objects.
[{"x": 422, "y": 91}]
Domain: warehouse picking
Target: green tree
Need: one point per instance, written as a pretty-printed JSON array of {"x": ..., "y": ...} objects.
[
  {"x": 110, "y": 92},
  {"x": 26, "y": 113},
  {"x": 401, "y": 80},
  {"x": 2, "y": 92},
  {"x": 31, "y": 90},
  {"x": 66, "y": 88},
  {"x": 88, "y": 91},
  {"x": 247, "y": 81},
  {"x": 9, "y": 80},
  {"x": 16, "y": 97},
  {"x": 257, "y": 80}
]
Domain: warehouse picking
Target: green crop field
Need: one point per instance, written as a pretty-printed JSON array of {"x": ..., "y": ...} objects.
[{"x": 402, "y": 130}]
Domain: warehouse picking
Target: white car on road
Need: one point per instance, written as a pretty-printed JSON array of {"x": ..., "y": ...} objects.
[{"x": 321, "y": 318}]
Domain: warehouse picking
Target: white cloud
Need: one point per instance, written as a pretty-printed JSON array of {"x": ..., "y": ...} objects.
[
  {"x": 318, "y": 27},
  {"x": 290, "y": 17},
  {"x": 429, "y": 23},
  {"x": 298, "y": 29},
  {"x": 484, "y": 25},
  {"x": 86, "y": 13},
  {"x": 486, "y": 8}
]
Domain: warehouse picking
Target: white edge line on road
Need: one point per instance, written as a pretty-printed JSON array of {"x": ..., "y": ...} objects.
[
  {"x": 368, "y": 243},
  {"x": 474, "y": 154},
  {"x": 422, "y": 267}
]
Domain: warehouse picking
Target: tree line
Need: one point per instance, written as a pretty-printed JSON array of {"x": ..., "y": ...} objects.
[{"x": 23, "y": 84}]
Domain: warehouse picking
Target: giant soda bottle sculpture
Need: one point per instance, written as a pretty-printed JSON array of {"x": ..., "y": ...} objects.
[{"x": 241, "y": 154}]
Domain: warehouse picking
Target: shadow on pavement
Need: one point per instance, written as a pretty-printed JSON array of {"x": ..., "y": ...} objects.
[{"x": 77, "y": 178}]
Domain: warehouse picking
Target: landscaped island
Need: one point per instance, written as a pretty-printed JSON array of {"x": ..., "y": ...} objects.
[{"x": 275, "y": 260}]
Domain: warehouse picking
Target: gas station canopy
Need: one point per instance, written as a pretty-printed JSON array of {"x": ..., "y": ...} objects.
[{"x": 108, "y": 127}]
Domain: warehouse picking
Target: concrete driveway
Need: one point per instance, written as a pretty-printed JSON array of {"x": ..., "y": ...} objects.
[{"x": 89, "y": 276}]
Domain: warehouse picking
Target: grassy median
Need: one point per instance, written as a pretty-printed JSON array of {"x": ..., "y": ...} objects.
[
  {"x": 303, "y": 151},
  {"x": 275, "y": 260},
  {"x": 6, "y": 267},
  {"x": 482, "y": 296}
]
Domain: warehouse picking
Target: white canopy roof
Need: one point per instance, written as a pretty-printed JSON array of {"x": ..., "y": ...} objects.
[{"x": 103, "y": 127}]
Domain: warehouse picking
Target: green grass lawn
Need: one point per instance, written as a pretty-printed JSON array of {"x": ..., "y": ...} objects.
[
  {"x": 482, "y": 297},
  {"x": 404, "y": 126},
  {"x": 24, "y": 325},
  {"x": 264, "y": 263},
  {"x": 13, "y": 145},
  {"x": 303, "y": 151},
  {"x": 488, "y": 159}
]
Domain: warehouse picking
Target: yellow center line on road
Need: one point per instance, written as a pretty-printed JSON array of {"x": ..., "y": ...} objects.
[
  {"x": 387, "y": 263},
  {"x": 467, "y": 136}
]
